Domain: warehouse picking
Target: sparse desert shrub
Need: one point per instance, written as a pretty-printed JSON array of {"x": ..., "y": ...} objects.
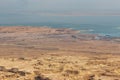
[
  {"x": 68, "y": 73},
  {"x": 74, "y": 72},
  {"x": 89, "y": 77},
  {"x": 97, "y": 62},
  {"x": 21, "y": 58},
  {"x": 28, "y": 79},
  {"x": 2, "y": 68},
  {"x": 41, "y": 78},
  {"x": 39, "y": 63},
  {"x": 10, "y": 76},
  {"x": 35, "y": 67},
  {"x": 14, "y": 70},
  {"x": 61, "y": 69},
  {"x": 65, "y": 75},
  {"x": 22, "y": 73},
  {"x": 37, "y": 73}
]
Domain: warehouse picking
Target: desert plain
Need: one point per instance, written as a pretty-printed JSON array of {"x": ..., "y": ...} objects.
[{"x": 43, "y": 53}]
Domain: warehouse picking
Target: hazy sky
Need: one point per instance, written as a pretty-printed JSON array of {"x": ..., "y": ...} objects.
[
  {"x": 60, "y": 7},
  {"x": 21, "y": 9}
]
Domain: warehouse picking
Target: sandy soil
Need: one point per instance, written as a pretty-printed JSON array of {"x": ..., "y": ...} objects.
[{"x": 42, "y": 53}]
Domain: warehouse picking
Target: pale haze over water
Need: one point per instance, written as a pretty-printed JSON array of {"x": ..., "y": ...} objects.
[{"x": 96, "y": 16}]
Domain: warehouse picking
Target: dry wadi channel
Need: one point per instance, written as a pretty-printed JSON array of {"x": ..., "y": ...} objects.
[{"x": 42, "y": 53}]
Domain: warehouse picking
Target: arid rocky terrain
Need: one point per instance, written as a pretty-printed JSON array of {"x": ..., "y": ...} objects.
[{"x": 42, "y": 53}]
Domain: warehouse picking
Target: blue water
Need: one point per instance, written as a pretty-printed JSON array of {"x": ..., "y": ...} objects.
[{"x": 103, "y": 25}]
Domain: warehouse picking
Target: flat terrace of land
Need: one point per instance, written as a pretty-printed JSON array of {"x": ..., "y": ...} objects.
[{"x": 42, "y": 53}]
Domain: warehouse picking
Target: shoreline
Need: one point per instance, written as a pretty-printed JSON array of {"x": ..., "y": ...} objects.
[
  {"x": 82, "y": 31},
  {"x": 90, "y": 30},
  {"x": 76, "y": 32}
]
